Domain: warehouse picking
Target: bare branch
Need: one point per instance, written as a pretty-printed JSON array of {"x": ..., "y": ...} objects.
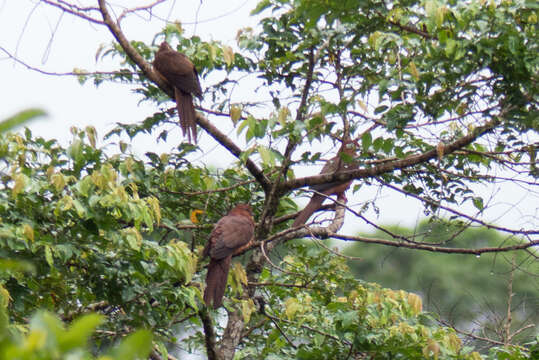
[
  {"x": 475, "y": 220},
  {"x": 148, "y": 8},
  {"x": 75, "y": 10},
  {"x": 69, "y": 73},
  {"x": 447, "y": 250}
]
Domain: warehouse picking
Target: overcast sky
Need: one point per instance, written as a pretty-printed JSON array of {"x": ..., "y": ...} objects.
[{"x": 43, "y": 38}]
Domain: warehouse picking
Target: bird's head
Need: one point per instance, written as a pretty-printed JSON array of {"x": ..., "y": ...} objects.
[
  {"x": 165, "y": 47},
  {"x": 242, "y": 209}
]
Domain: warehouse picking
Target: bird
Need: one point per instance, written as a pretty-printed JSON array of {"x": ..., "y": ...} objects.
[
  {"x": 338, "y": 188},
  {"x": 232, "y": 234},
  {"x": 179, "y": 72}
]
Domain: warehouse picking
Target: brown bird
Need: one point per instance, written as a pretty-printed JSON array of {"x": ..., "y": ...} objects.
[
  {"x": 231, "y": 235},
  {"x": 333, "y": 165},
  {"x": 180, "y": 73}
]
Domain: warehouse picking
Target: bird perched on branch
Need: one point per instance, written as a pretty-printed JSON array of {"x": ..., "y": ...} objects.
[
  {"x": 231, "y": 235},
  {"x": 346, "y": 152},
  {"x": 180, "y": 73}
]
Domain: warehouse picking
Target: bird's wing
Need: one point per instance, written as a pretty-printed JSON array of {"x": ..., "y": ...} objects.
[
  {"x": 178, "y": 70},
  {"x": 230, "y": 233}
]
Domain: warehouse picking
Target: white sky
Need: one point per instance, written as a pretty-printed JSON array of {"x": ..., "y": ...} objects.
[{"x": 41, "y": 37}]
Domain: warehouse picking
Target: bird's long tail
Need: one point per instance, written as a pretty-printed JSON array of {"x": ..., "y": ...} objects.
[
  {"x": 186, "y": 113},
  {"x": 312, "y": 206},
  {"x": 216, "y": 281}
]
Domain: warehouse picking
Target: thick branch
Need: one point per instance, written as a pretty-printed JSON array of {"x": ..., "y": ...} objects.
[
  {"x": 209, "y": 333},
  {"x": 232, "y": 335},
  {"x": 152, "y": 76},
  {"x": 391, "y": 165},
  {"x": 131, "y": 51},
  {"x": 414, "y": 30}
]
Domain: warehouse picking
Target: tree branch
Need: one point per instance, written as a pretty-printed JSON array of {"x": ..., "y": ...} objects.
[
  {"x": 390, "y": 166},
  {"x": 152, "y": 76},
  {"x": 75, "y": 10},
  {"x": 232, "y": 335},
  {"x": 433, "y": 248},
  {"x": 471, "y": 218},
  {"x": 209, "y": 333}
]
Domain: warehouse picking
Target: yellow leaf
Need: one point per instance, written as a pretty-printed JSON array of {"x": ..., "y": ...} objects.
[
  {"x": 154, "y": 205},
  {"x": 266, "y": 155},
  {"x": 98, "y": 179},
  {"x": 228, "y": 55},
  {"x": 288, "y": 259},
  {"x": 475, "y": 356},
  {"x": 433, "y": 348},
  {"x": 352, "y": 296},
  {"x": 213, "y": 51},
  {"x": 239, "y": 274},
  {"x": 176, "y": 26},
  {"x": 284, "y": 112},
  {"x": 247, "y": 308},
  {"x": 413, "y": 71},
  {"x": 92, "y": 135},
  {"x": 415, "y": 302},
  {"x": 194, "y": 215},
  {"x": 362, "y": 105},
  {"x": 58, "y": 180},
  {"x": 28, "y": 232},
  {"x": 48, "y": 256},
  {"x": 373, "y": 39},
  {"x": 292, "y": 306},
  {"x": 235, "y": 113},
  {"x": 164, "y": 158},
  {"x": 50, "y": 171},
  {"x": 455, "y": 342},
  {"x": 440, "y": 12},
  {"x": 20, "y": 183},
  {"x": 133, "y": 238},
  {"x": 5, "y": 298},
  {"x": 19, "y": 141},
  {"x": 440, "y": 148}
]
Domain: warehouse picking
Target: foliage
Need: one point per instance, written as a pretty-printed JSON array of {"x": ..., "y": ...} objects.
[
  {"x": 46, "y": 339},
  {"x": 439, "y": 95},
  {"x": 78, "y": 217},
  {"x": 465, "y": 290}
]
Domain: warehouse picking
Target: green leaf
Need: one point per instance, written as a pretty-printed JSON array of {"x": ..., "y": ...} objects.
[
  {"x": 48, "y": 256},
  {"x": 80, "y": 330},
  {"x": 478, "y": 203},
  {"x": 366, "y": 141},
  {"x": 261, "y": 6},
  {"x": 135, "y": 346},
  {"x": 266, "y": 155},
  {"x": 20, "y": 118},
  {"x": 235, "y": 113}
]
